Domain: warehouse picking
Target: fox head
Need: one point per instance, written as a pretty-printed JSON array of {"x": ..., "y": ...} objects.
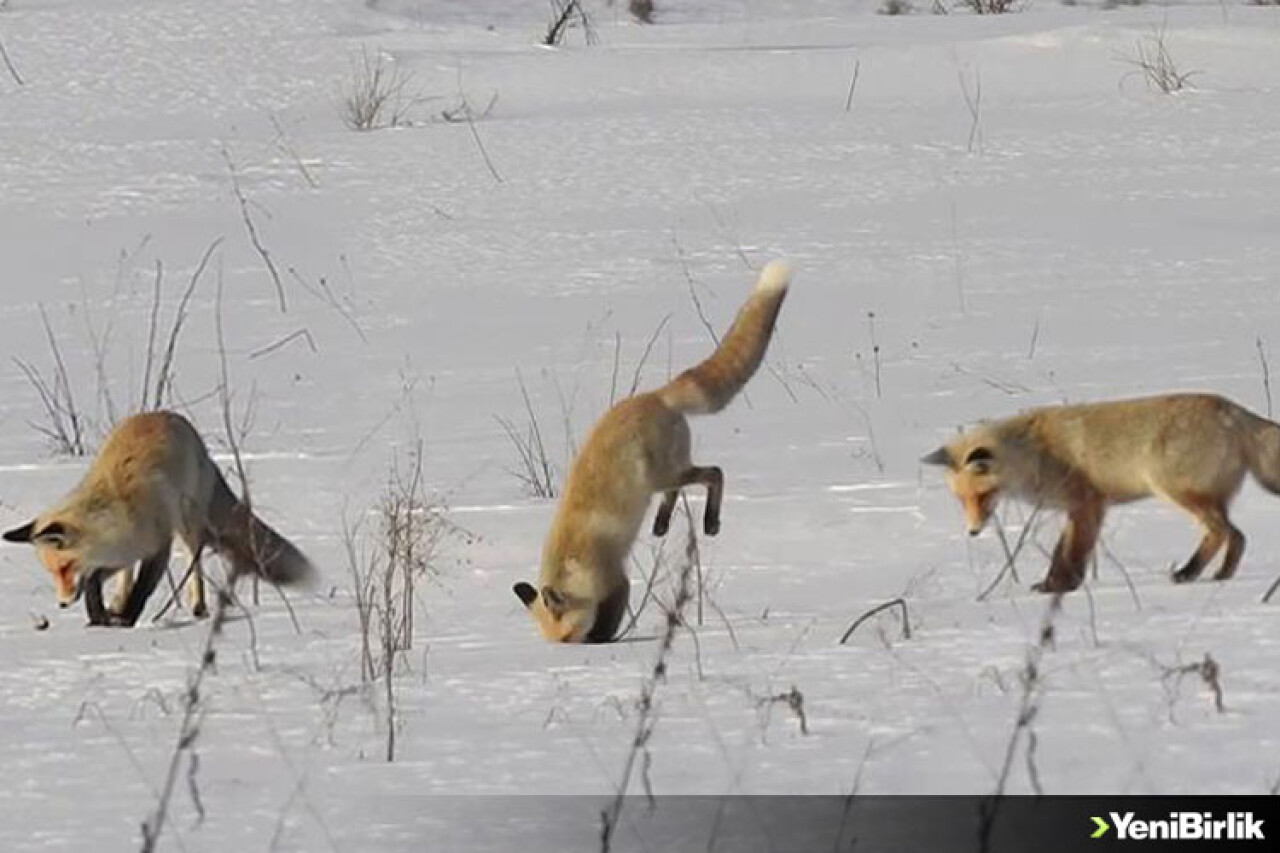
[
  {"x": 974, "y": 480},
  {"x": 56, "y": 548},
  {"x": 560, "y": 618}
]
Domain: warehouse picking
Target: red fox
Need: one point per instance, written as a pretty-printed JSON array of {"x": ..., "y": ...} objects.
[
  {"x": 152, "y": 479},
  {"x": 1193, "y": 450},
  {"x": 639, "y": 448}
]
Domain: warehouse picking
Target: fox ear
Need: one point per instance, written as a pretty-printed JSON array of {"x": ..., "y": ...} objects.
[
  {"x": 941, "y": 456},
  {"x": 20, "y": 534},
  {"x": 980, "y": 459},
  {"x": 55, "y": 534},
  {"x": 525, "y": 592}
]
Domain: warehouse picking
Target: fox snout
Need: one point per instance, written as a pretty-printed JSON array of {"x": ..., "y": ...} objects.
[{"x": 67, "y": 586}]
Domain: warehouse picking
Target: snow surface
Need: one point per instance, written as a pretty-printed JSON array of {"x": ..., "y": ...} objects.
[{"x": 1090, "y": 238}]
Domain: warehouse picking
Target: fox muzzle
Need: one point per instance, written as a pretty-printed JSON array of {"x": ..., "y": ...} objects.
[{"x": 76, "y": 591}]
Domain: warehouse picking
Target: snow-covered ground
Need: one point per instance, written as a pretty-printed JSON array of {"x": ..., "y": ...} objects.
[{"x": 1001, "y": 215}]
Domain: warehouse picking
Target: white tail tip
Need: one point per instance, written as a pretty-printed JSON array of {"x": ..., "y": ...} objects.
[{"x": 775, "y": 277}]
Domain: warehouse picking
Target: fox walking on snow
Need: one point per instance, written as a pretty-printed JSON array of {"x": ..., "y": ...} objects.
[
  {"x": 639, "y": 448},
  {"x": 152, "y": 479},
  {"x": 1193, "y": 450}
]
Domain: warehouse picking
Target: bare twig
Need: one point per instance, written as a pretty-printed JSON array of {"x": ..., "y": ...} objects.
[
  {"x": 989, "y": 7},
  {"x": 1153, "y": 61},
  {"x": 646, "y": 719},
  {"x": 1208, "y": 670},
  {"x": 1266, "y": 372},
  {"x": 565, "y": 14},
  {"x": 164, "y": 377},
  {"x": 188, "y": 731},
  {"x": 1028, "y": 707},
  {"x": 1010, "y": 554},
  {"x": 853, "y": 84},
  {"x": 794, "y": 700},
  {"x": 8, "y": 63},
  {"x": 303, "y": 334},
  {"x": 65, "y": 424},
  {"x": 644, "y": 356},
  {"x": 151, "y": 331},
  {"x": 875, "y": 349},
  {"x": 536, "y": 472},
  {"x": 973, "y": 100},
  {"x": 252, "y": 230},
  {"x": 378, "y": 94},
  {"x": 879, "y": 608},
  {"x": 465, "y": 112},
  {"x": 285, "y": 144},
  {"x": 1271, "y": 590}
]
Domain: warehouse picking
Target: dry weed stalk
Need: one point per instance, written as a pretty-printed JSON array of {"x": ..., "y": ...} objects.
[
  {"x": 535, "y": 471},
  {"x": 1153, "y": 61},
  {"x": 378, "y": 94},
  {"x": 1028, "y": 708},
  {"x": 65, "y": 425},
  {"x": 386, "y": 568},
  {"x": 647, "y": 716}
]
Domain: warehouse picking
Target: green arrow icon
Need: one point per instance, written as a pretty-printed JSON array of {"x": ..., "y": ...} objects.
[{"x": 1102, "y": 828}]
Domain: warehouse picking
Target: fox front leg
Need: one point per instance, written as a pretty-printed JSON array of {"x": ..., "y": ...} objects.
[
  {"x": 1071, "y": 554},
  {"x": 149, "y": 573},
  {"x": 93, "y": 603},
  {"x": 662, "y": 521}
]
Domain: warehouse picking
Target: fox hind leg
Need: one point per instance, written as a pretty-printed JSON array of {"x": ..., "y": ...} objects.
[
  {"x": 713, "y": 478},
  {"x": 1218, "y": 531},
  {"x": 1235, "y": 550}
]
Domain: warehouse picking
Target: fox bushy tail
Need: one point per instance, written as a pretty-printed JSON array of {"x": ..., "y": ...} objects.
[
  {"x": 709, "y": 386},
  {"x": 249, "y": 543},
  {"x": 1262, "y": 451}
]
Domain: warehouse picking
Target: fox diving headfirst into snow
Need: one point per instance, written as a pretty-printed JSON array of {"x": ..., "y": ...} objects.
[
  {"x": 639, "y": 448},
  {"x": 1193, "y": 450},
  {"x": 152, "y": 479}
]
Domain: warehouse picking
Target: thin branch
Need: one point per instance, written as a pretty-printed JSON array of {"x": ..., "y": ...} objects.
[
  {"x": 879, "y": 608},
  {"x": 1010, "y": 555},
  {"x": 188, "y": 730},
  {"x": 303, "y": 334},
  {"x": 8, "y": 63},
  {"x": 252, "y": 229},
  {"x": 853, "y": 84},
  {"x": 1028, "y": 708},
  {"x": 646, "y": 719},
  {"x": 1266, "y": 373},
  {"x": 164, "y": 378},
  {"x": 648, "y": 348}
]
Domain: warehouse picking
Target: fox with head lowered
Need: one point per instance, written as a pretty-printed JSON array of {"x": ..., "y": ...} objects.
[
  {"x": 152, "y": 479},
  {"x": 639, "y": 448},
  {"x": 1193, "y": 450}
]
